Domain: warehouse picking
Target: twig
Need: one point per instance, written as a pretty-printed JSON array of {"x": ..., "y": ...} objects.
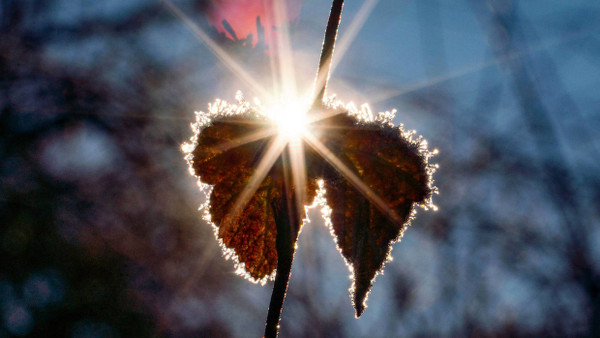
[
  {"x": 287, "y": 218},
  {"x": 327, "y": 52}
]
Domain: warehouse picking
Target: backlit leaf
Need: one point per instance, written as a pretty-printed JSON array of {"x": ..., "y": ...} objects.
[
  {"x": 372, "y": 176},
  {"x": 372, "y": 193},
  {"x": 229, "y": 144}
]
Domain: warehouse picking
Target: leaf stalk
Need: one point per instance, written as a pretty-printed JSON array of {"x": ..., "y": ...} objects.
[
  {"x": 335, "y": 16},
  {"x": 288, "y": 223}
]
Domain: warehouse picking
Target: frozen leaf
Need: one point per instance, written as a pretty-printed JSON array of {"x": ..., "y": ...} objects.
[
  {"x": 372, "y": 187},
  {"x": 372, "y": 176},
  {"x": 230, "y": 143},
  {"x": 263, "y": 167}
]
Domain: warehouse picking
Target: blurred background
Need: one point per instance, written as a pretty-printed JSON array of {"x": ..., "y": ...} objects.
[{"x": 100, "y": 233}]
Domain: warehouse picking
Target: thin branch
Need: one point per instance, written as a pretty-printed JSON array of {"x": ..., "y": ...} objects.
[{"x": 327, "y": 51}]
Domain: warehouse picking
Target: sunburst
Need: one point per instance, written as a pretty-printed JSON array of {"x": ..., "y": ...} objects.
[{"x": 286, "y": 123}]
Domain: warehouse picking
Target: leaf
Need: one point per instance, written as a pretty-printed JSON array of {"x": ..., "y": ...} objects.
[
  {"x": 225, "y": 153},
  {"x": 250, "y": 232},
  {"x": 371, "y": 211},
  {"x": 374, "y": 174}
]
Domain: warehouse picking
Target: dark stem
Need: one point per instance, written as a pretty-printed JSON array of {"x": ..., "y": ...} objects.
[
  {"x": 286, "y": 215},
  {"x": 327, "y": 52},
  {"x": 288, "y": 223}
]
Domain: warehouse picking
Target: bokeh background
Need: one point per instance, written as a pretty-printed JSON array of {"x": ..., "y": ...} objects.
[{"x": 100, "y": 233}]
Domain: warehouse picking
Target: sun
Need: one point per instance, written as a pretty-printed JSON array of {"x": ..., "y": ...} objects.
[{"x": 289, "y": 116}]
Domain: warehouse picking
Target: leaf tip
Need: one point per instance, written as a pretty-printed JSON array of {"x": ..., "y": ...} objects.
[
  {"x": 359, "y": 309},
  {"x": 360, "y": 290}
]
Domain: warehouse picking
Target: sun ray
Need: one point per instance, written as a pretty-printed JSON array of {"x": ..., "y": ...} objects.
[
  {"x": 323, "y": 71},
  {"x": 298, "y": 168},
  {"x": 289, "y": 186},
  {"x": 345, "y": 42},
  {"x": 284, "y": 51},
  {"x": 317, "y": 115},
  {"x": 352, "y": 178},
  {"x": 542, "y": 45},
  {"x": 262, "y": 169},
  {"x": 436, "y": 80},
  {"x": 274, "y": 74},
  {"x": 259, "y": 135},
  {"x": 225, "y": 58},
  {"x": 354, "y": 27}
]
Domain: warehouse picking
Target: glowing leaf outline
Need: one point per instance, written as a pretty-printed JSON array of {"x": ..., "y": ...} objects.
[{"x": 221, "y": 109}]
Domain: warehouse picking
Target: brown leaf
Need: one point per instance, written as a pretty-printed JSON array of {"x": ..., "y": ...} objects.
[
  {"x": 374, "y": 175},
  {"x": 250, "y": 232},
  {"x": 226, "y": 154},
  {"x": 382, "y": 176}
]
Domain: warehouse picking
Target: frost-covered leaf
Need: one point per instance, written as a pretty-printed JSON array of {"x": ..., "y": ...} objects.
[
  {"x": 372, "y": 190},
  {"x": 229, "y": 144},
  {"x": 372, "y": 176},
  {"x": 250, "y": 232}
]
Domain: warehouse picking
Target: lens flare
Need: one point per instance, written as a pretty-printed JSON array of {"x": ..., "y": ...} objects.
[{"x": 289, "y": 117}]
